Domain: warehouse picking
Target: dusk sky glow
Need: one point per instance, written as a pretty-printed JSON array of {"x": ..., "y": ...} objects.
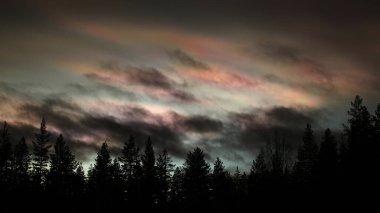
[{"x": 221, "y": 76}]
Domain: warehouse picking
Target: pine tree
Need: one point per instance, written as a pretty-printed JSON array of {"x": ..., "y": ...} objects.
[
  {"x": 62, "y": 169},
  {"x": 258, "y": 178},
  {"x": 328, "y": 156},
  {"x": 20, "y": 165},
  {"x": 131, "y": 170},
  {"x": 305, "y": 168},
  {"x": 116, "y": 185},
  {"x": 307, "y": 156},
  {"x": 259, "y": 166},
  {"x": 222, "y": 185},
  {"x": 102, "y": 168},
  {"x": 328, "y": 166},
  {"x": 176, "y": 195},
  {"x": 362, "y": 153},
  {"x": 129, "y": 159},
  {"x": 100, "y": 179},
  {"x": 359, "y": 129},
  {"x": 5, "y": 157},
  {"x": 197, "y": 178},
  {"x": 79, "y": 183},
  {"x": 149, "y": 178},
  {"x": 164, "y": 169},
  {"x": 376, "y": 119},
  {"x": 40, "y": 155}
]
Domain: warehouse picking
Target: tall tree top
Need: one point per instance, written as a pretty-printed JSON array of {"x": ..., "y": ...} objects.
[
  {"x": 309, "y": 148},
  {"x": 196, "y": 163},
  {"x": 218, "y": 167},
  {"x": 43, "y": 125},
  {"x": 5, "y": 134},
  {"x": 259, "y": 165}
]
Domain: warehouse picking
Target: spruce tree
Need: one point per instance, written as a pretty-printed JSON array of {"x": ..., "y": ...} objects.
[
  {"x": 221, "y": 184},
  {"x": 164, "y": 169},
  {"x": 328, "y": 156},
  {"x": 196, "y": 179},
  {"x": 62, "y": 169},
  {"x": 41, "y": 148},
  {"x": 129, "y": 159},
  {"x": 100, "y": 179},
  {"x": 5, "y": 158},
  {"x": 149, "y": 178},
  {"x": 20, "y": 165},
  {"x": 307, "y": 156},
  {"x": 116, "y": 185},
  {"x": 176, "y": 195}
]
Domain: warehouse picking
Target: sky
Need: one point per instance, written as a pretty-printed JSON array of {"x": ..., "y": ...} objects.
[{"x": 225, "y": 76}]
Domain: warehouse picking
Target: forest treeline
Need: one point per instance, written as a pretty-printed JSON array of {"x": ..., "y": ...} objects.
[{"x": 334, "y": 171}]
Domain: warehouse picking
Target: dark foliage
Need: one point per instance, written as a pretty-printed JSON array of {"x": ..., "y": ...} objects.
[{"x": 328, "y": 174}]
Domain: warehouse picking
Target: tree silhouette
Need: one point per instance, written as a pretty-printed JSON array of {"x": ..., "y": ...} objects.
[
  {"x": 328, "y": 158},
  {"x": 79, "y": 183},
  {"x": 359, "y": 129},
  {"x": 307, "y": 157},
  {"x": 327, "y": 170},
  {"x": 305, "y": 168},
  {"x": 258, "y": 180},
  {"x": 62, "y": 170},
  {"x": 240, "y": 189},
  {"x": 359, "y": 175},
  {"x": 116, "y": 185},
  {"x": 164, "y": 169},
  {"x": 197, "y": 179},
  {"x": 100, "y": 179},
  {"x": 20, "y": 166},
  {"x": 131, "y": 170},
  {"x": 41, "y": 148},
  {"x": 222, "y": 186},
  {"x": 328, "y": 176},
  {"x": 5, "y": 158},
  {"x": 176, "y": 194},
  {"x": 149, "y": 178}
]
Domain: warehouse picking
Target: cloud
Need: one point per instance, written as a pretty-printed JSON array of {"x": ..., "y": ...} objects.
[
  {"x": 223, "y": 79},
  {"x": 149, "y": 77},
  {"x": 306, "y": 66},
  {"x": 183, "y": 96},
  {"x": 153, "y": 81},
  {"x": 197, "y": 123},
  {"x": 288, "y": 116},
  {"x": 100, "y": 89},
  {"x": 187, "y": 60},
  {"x": 248, "y": 132},
  {"x": 88, "y": 129}
]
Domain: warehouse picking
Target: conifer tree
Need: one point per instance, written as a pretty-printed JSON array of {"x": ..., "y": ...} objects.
[
  {"x": 5, "y": 158},
  {"x": 221, "y": 184},
  {"x": 62, "y": 169},
  {"x": 164, "y": 169},
  {"x": 176, "y": 195},
  {"x": 149, "y": 178},
  {"x": 20, "y": 165},
  {"x": 307, "y": 156},
  {"x": 41, "y": 148},
  {"x": 328, "y": 156},
  {"x": 100, "y": 179},
  {"x": 197, "y": 178},
  {"x": 129, "y": 159}
]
